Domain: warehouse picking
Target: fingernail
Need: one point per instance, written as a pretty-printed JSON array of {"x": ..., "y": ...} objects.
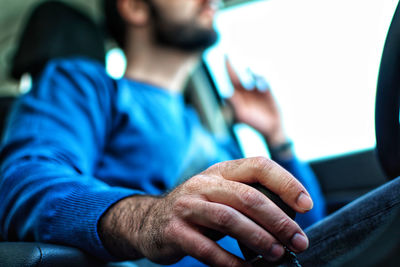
[
  {"x": 299, "y": 242},
  {"x": 305, "y": 202},
  {"x": 275, "y": 252}
]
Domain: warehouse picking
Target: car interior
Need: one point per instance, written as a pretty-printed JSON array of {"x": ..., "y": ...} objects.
[{"x": 41, "y": 33}]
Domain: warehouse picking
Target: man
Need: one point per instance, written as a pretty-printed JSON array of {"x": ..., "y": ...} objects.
[
  {"x": 175, "y": 42},
  {"x": 86, "y": 158}
]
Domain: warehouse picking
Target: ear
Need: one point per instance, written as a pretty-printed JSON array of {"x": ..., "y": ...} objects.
[{"x": 135, "y": 12}]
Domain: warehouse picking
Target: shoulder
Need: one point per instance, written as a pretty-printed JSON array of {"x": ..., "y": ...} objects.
[
  {"x": 75, "y": 75},
  {"x": 77, "y": 65}
]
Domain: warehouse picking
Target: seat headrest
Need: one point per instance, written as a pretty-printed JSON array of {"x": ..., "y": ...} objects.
[{"x": 56, "y": 30}]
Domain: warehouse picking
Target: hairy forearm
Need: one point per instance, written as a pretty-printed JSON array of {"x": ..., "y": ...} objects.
[
  {"x": 119, "y": 228},
  {"x": 167, "y": 228}
]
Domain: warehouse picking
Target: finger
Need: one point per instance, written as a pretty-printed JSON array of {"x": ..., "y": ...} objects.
[
  {"x": 227, "y": 220},
  {"x": 259, "y": 209},
  {"x": 207, "y": 251},
  {"x": 233, "y": 76},
  {"x": 269, "y": 174},
  {"x": 261, "y": 83}
]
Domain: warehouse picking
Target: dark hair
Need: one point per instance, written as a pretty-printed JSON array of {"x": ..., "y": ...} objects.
[{"x": 114, "y": 23}]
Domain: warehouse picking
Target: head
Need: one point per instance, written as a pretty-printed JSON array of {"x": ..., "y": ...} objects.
[{"x": 183, "y": 24}]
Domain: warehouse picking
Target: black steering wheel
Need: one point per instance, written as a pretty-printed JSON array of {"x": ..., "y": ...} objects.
[{"x": 387, "y": 106}]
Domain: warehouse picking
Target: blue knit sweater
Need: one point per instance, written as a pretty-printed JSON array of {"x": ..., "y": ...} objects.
[{"x": 81, "y": 141}]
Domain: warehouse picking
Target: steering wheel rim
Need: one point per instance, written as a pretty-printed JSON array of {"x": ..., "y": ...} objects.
[{"x": 387, "y": 106}]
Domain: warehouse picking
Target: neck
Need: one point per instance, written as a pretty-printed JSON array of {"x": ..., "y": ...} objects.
[{"x": 164, "y": 67}]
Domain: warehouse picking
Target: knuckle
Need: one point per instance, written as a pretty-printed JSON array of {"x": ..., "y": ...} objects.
[
  {"x": 204, "y": 250},
  {"x": 215, "y": 169},
  {"x": 262, "y": 164},
  {"x": 259, "y": 241},
  {"x": 251, "y": 198},
  {"x": 261, "y": 161},
  {"x": 223, "y": 217},
  {"x": 173, "y": 229},
  {"x": 289, "y": 184},
  {"x": 232, "y": 262},
  {"x": 194, "y": 183},
  {"x": 199, "y": 182},
  {"x": 180, "y": 206},
  {"x": 283, "y": 227}
]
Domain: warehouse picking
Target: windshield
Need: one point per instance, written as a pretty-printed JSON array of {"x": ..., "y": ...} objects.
[{"x": 321, "y": 58}]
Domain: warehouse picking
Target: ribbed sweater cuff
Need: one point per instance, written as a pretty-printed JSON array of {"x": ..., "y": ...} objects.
[{"x": 77, "y": 215}]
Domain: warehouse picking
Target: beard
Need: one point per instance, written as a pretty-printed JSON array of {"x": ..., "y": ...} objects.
[{"x": 186, "y": 36}]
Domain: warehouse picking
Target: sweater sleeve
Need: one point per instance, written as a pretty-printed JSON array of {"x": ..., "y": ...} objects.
[
  {"x": 51, "y": 146},
  {"x": 303, "y": 172}
]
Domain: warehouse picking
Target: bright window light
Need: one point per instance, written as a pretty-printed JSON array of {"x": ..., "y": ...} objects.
[
  {"x": 25, "y": 83},
  {"x": 250, "y": 141},
  {"x": 115, "y": 63},
  {"x": 321, "y": 58}
]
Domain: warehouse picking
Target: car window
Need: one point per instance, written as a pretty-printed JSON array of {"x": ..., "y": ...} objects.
[{"x": 321, "y": 59}]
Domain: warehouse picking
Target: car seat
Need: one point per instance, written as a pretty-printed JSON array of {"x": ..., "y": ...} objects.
[
  {"x": 56, "y": 30},
  {"x": 53, "y": 30}
]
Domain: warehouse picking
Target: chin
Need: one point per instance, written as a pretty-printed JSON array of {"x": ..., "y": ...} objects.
[{"x": 194, "y": 39}]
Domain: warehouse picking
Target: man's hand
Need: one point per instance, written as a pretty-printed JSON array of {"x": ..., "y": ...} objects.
[
  {"x": 256, "y": 107},
  {"x": 185, "y": 221}
]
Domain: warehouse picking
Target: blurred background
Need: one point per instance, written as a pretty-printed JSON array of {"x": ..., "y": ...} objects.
[
  {"x": 13, "y": 16},
  {"x": 320, "y": 57}
]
